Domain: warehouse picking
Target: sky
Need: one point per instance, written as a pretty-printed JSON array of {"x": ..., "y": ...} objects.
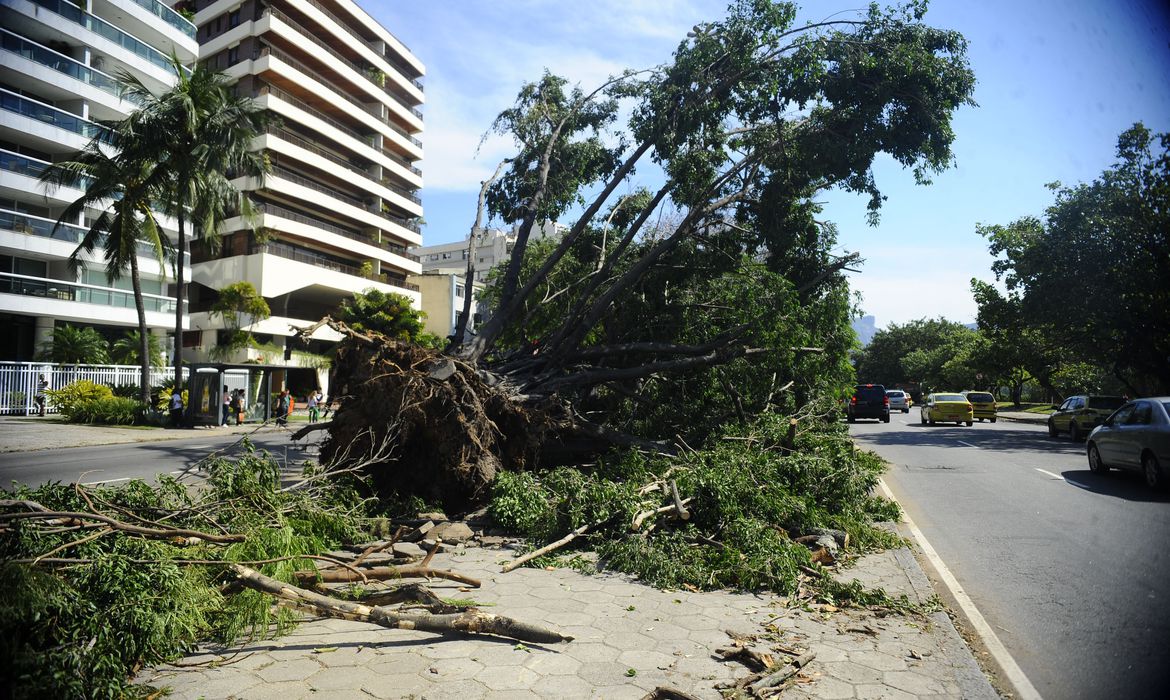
[{"x": 1058, "y": 81}]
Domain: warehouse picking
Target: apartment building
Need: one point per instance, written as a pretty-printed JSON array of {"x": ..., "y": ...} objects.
[
  {"x": 442, "y": 302},
  {"x": 58, "y": 60},
  {"x": 340, "y": 208},
  {"x": 492, "y": 247}
]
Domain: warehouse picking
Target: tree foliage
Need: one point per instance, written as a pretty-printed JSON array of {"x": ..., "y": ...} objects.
[
  {"x": 1090, "y": 281},
  {"x": 934, "y": 353},
  {"x": 239, "y": 305},
  {"x": 127, "y": 349},
  {"x": 390, "y": 314},
  {"x": 71, "y": 345}
]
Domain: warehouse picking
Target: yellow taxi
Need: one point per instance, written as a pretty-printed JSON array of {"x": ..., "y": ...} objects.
[
  {"x": 946, "y": 408},
  {"x": 982, "y": 405}
]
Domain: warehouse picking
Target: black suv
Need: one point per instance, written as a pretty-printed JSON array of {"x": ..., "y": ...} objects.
[{"x": 868, "y": 401}]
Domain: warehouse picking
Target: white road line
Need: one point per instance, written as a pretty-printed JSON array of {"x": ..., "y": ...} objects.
[
  {"x": 1015, "y": 675},
  {"x": 967, "y": 444},
  {"x": 106, "y": 481},
  {"x": 1045, "y": 471}
]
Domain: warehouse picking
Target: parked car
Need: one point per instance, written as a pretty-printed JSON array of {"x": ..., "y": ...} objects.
[
  {"x": 868, "y": 401},
  {"x": 1080, "y": 414},
  {"x": 982, "y": 405},
  {"x": 899, "y": 400},
  {"x": 1136, "y": 437},
  {"x": 946, "y": 408}
]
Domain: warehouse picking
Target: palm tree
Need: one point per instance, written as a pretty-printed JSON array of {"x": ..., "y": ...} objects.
[
  {"x": 126, "y": 350},
  {"x": 76, "y": 346},
  {"x": 201, "y": 133},
  {"x": 120, "y": 187}
]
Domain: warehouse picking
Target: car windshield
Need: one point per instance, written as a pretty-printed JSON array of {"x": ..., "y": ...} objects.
[
  {"x": 1106, "y": 403},
  {"x": 982, "y": 398},
  {"x": 950, "y": 398}
]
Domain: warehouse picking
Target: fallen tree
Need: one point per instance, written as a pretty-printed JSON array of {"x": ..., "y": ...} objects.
[{"x": 661, "y": 314}]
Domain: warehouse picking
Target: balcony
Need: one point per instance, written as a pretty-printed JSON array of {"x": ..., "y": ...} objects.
[
  {"x": 18, "y": 222},
  {"x": 317, "y": 260},
  {"x": 61, "y": 119},
  {"x": 284, "y": 213},
  {"x": 298, "y": 179},
  {"x": 364, "y": 139},
  {"x": 406, "y": 71},
  {"x": 101, "y": 27},
  {"x": 31, "y": 167},
  {"x": 57, "y": 61},
  {"x": 167, "y": 15},
  {"x": 61, "y": 290}
]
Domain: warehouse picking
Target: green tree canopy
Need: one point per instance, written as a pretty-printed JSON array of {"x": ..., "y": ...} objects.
[
  {"x": 930, "y": 352},
  {"x": 127, "y": 349},
  {"x": 392, "y": 315},
  {"x": 1090, "y": 281}
]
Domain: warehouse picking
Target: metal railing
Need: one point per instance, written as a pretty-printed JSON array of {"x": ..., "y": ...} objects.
[
  {"x": 20, "y": 382},
  {"x": 302, "y": 105},
  {"x": 300, "y": 65},
  {"x": 61, "y": 119},
  {"x": 291, "y": 215},
  {"x": 99, "y": 26},
  {"x": 58, "y": 62},
  {"x": 286, "y": 174},
  {"x": 304, "y": 143},
  {"x": 85, "y": 293},
  {"x": 19, "y": 222},
  {"x": 167, "y": 15},
  {"x": 32, "y": 167}
]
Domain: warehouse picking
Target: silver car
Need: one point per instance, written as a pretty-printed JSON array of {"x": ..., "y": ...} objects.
[
  {"x": 899, "y": 400},
  {"x": 1137, "y": 437}
]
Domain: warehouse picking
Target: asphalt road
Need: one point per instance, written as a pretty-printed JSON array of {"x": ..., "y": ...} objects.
[
  {"x": 1071, "y": 569},
  {"x": 115, "y": 463}
]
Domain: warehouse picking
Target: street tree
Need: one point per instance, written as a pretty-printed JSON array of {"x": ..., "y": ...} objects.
[
  {"x": 1093, "y": 275},
  {"x": 119, "y": 180},
  {"x": 200, "y": 133},
  {"x": 239, "y": 305},
  {"x": 71, "y": 345},
  {"x": 724, "y": 262}
]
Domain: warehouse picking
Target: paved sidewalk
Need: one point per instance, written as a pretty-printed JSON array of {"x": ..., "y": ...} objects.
[
  {"x": 629, "y": 639},
  {"x": 20, "y": 434}
]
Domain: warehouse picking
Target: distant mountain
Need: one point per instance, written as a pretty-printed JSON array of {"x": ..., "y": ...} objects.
[{"x": 865, "y": 328}]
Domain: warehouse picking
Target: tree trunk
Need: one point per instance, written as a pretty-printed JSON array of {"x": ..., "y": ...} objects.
[
  {"x": 180, "y": 297},
  {"x": 143, "y": 338}
]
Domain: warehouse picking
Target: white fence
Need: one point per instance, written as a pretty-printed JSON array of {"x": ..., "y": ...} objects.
[{"x": 20, "y": 381}]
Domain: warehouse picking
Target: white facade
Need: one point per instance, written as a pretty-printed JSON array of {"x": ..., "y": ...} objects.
[
  {"x": 57, "y": 62},
  {"x": 340, "y": 208},
  {"x": 493, "y": 246}
]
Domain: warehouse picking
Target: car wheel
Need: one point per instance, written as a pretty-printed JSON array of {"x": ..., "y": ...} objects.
[
  {"x": 1052, "y": 431},
  {"x": 971, "y": 423},
  {"x": 932, "y": 421},
  {"x": 991, "y": 419},
  {"x": 885, "y": 419},
  {"x": 922, "y": 418},
  {"x": 1074, "y": 432},
  {"x": 1096, "y": 465},
  {"x": 1152, "y": 470},
  {"x": 851, "y": 419},
  {"x": 905, "y": 410}
]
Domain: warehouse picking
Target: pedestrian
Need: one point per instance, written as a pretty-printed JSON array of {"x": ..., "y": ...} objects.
[
  {"x": 328, "y": 406},
  {"x": 314, "y": 396},
  {"x": 238, "y": 405},
  {"x": 176, "y": 407},
  {"x": 227, "y": 406},
  {"x": 42, "y": 396},
  {"x": 283, "y": 407}
]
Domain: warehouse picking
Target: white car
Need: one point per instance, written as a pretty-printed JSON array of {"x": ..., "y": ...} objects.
[{"x": 899, "y": 400}]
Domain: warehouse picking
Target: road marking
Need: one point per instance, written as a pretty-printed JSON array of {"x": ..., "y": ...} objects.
[
  {"x": 107, "y": 481},
  {"x": 967, "y": 444},
  {"x": 1045, "y": 471},
  {"x": 1015, "y": 675}
]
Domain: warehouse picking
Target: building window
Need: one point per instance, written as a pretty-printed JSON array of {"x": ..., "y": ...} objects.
[
  {"x": 234, "y": 19},
  {"x": 233, "y": 55},
  {"x": 446, "y": 256},
  {"x": 459, "y": 291}
]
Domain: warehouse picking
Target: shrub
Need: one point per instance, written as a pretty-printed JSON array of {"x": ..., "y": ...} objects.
[
  {"x": 126, "y": 391},
  {"x": 68, "y": 396},
  {"x": 112, "y": 410}
]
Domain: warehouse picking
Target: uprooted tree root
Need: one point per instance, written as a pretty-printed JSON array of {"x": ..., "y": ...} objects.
[{"x": 455, "y": 427}]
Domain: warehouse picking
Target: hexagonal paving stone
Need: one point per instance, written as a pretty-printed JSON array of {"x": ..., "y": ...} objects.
[
  {"x": 592, "y": 652},
  {"x": 628, "y": 641},
  {"x": 549, "y": 592},
  {"x": 912, "y": 682},
  {"x": 562, "y": 687},
  {"x": 452, "y": 649},
  {"x": 345, "y": 656},
  {"x": 881, "y": 692},
  {"x": 645, "y": 659},
  {"x": 879, "y": 660},
  {"x": 501, "y": 655},
  {"x": 662, "y": 630},
  {"x": 851, "y": 672},
  {"x": 507, "y": 677},
  {"x": 602, "y": 673},
  {"x": 697, "y": 623},
  {"x": 284, "y": 690},
  {"x": 830, "y": 688},
  {"x": 340, "y": 678},
  {"x": 618, "y": 692},
  {"x": 455, "y": 669},
  {"x": 399, "y": 662},
  {"x": 458, "y": 690},
  {"x": 393, "y": 686},
  {"x": 511, "y": 695},
  {"x": 594, "y": 597},
  {"x": 294, "y": 670},
  {"x": 552, "y": 664}
]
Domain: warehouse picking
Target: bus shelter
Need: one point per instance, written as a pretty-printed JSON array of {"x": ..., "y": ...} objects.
[{"x": 206, "y": 390}]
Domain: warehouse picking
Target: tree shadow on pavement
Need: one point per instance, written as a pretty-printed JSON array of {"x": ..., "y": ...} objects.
[
  {"x": 1006, "y": 440},
  {"x": 1128, "y": 485}
]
